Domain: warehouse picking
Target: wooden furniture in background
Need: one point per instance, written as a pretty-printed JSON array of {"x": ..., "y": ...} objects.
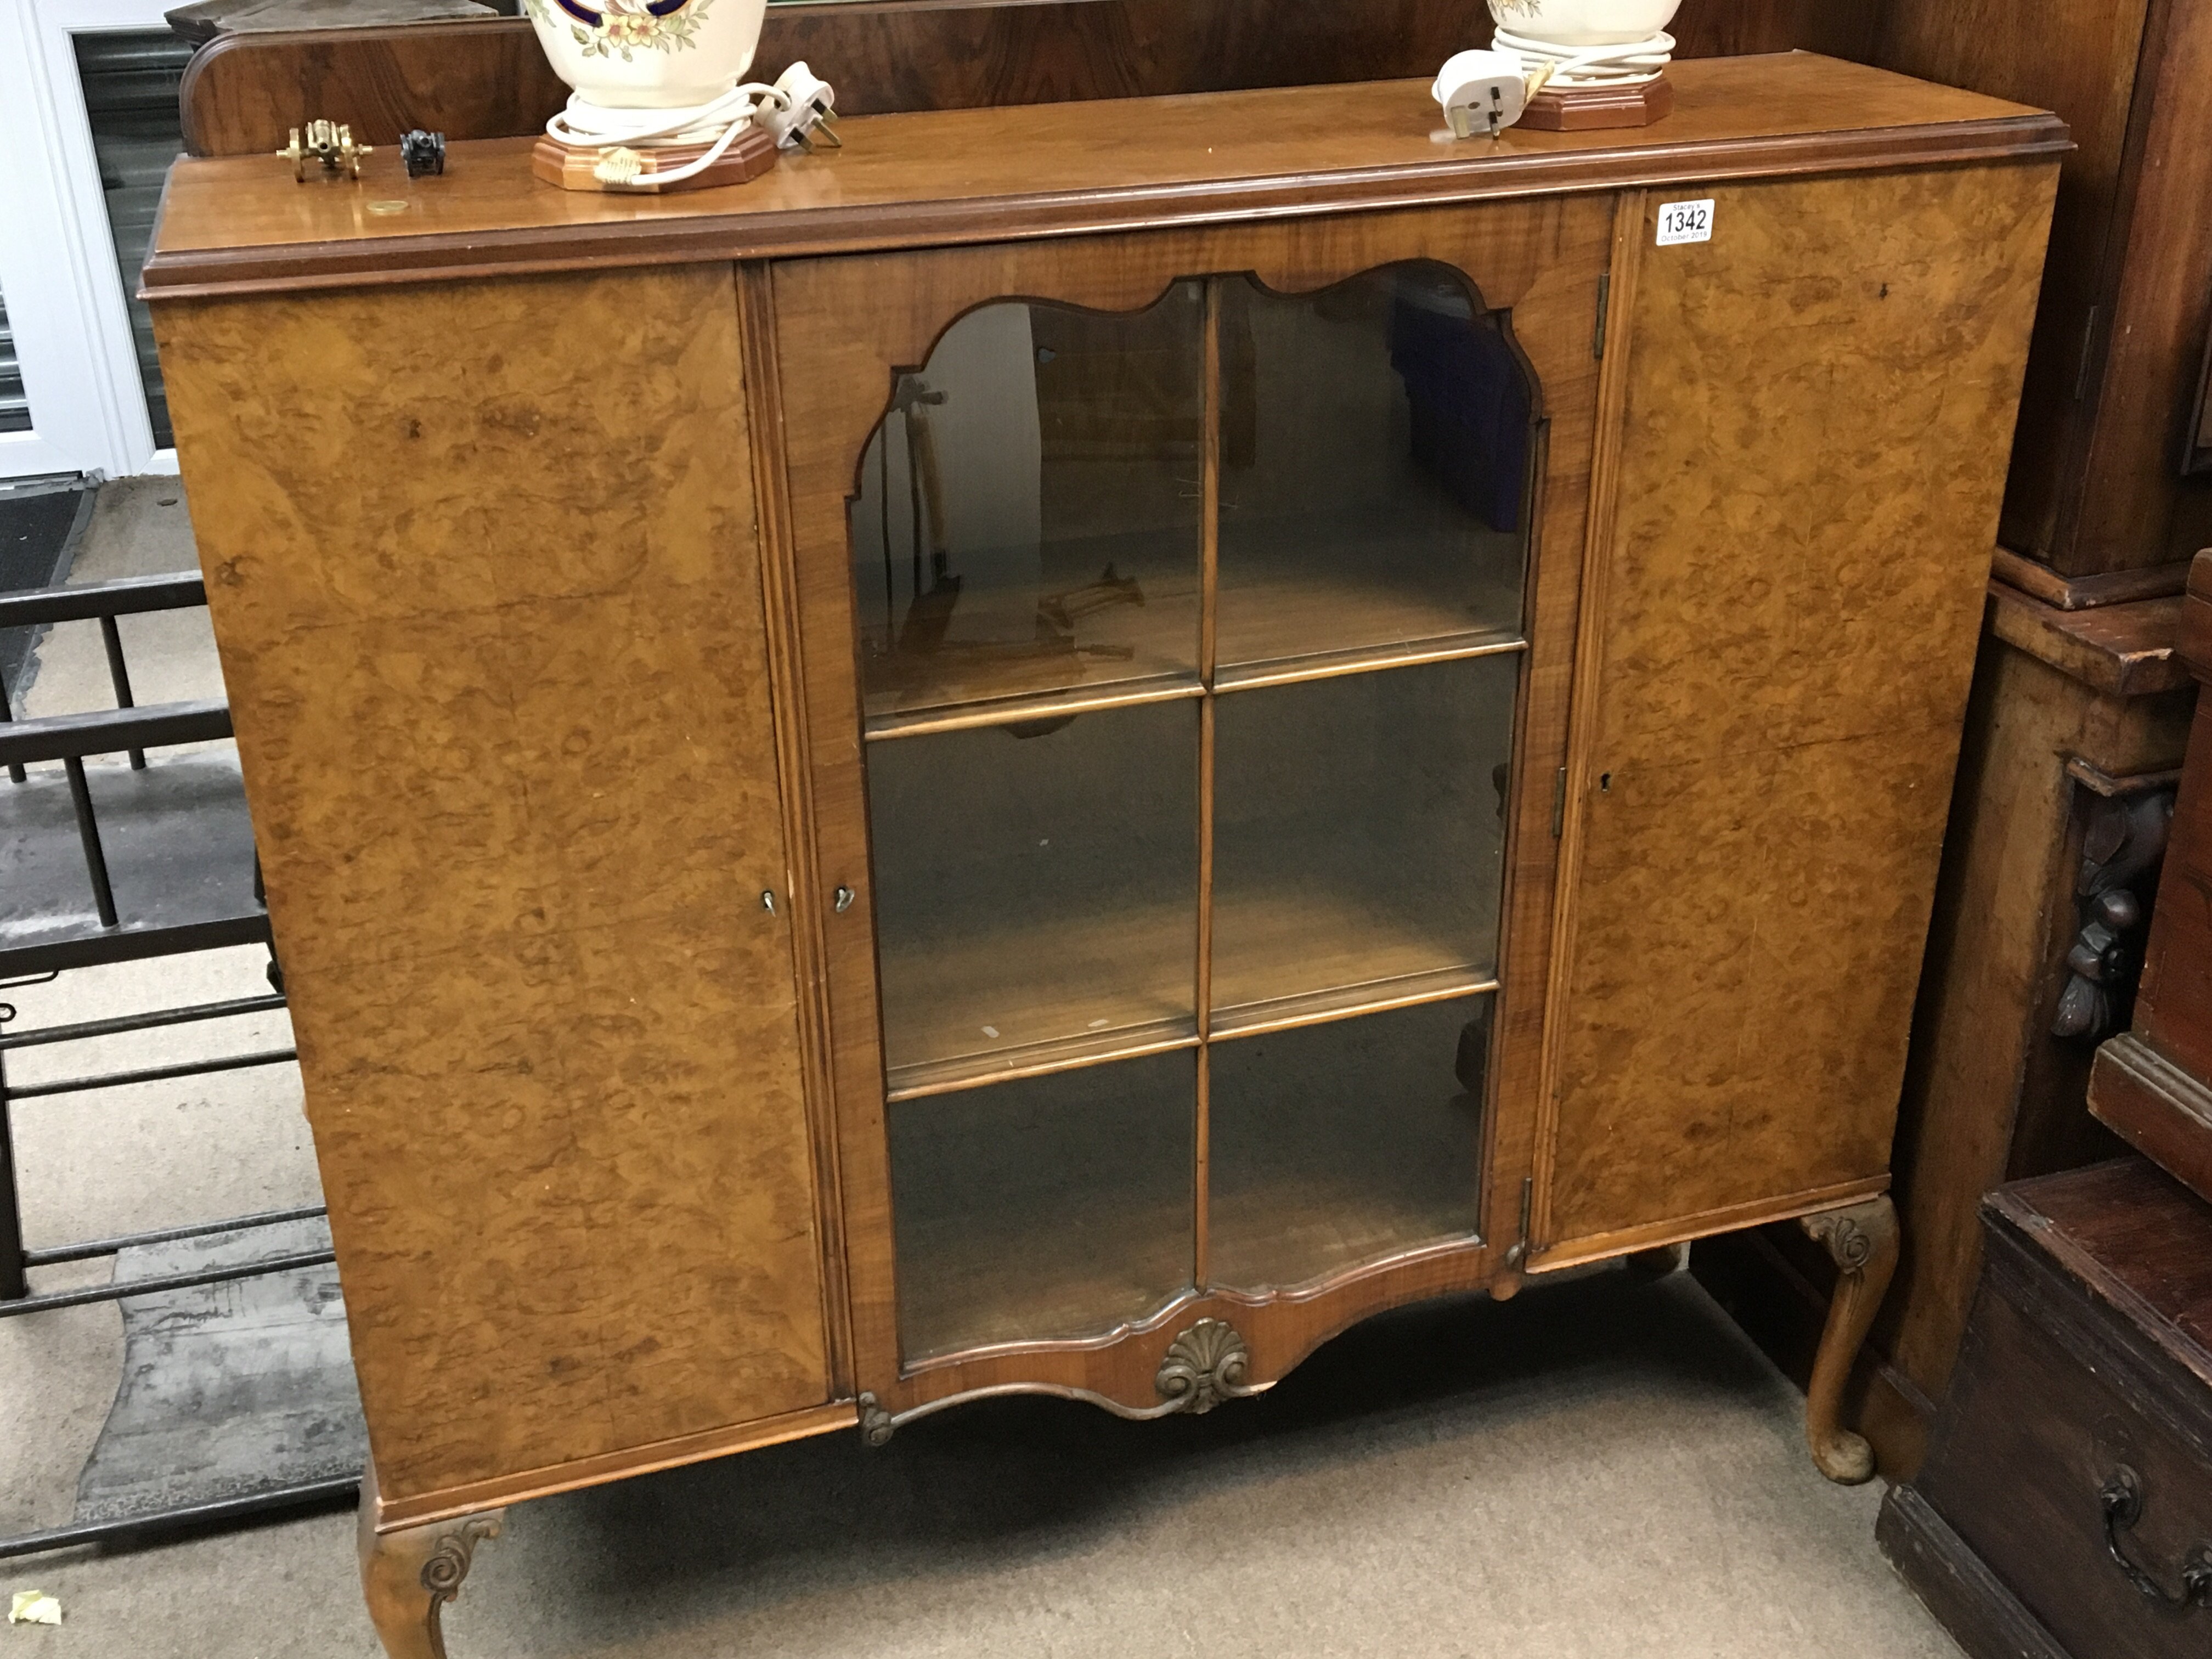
[
  {"x": 2097, "y": 510},
  {"x": 2066, "y": 1504},
  {"x": 2065, "y": 1511},
  {"x": 2076, "y": 728},
  {"x": 488, "y": 79},
  {"x": 2073, "y": 736},
  {"x": 2153, "y": 1083},
  {"x": 633, "y": 538}
]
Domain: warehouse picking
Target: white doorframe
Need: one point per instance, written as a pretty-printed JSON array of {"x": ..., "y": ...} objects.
[{"x": 58, "y": 275}]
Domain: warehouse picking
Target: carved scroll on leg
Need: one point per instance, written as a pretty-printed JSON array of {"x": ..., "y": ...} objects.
[
  {"x": 409, "y": 1575},
  {"x": 1861, "y": 1239}
]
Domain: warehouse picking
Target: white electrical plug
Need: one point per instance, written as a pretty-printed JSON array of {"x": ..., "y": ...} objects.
[
  {"x": 807, "y": 112},
  {"x": 1481, "y": 92}
]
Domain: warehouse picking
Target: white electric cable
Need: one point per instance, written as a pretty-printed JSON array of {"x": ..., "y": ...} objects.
[
  {"x": 1624, "y": 63},
  {"x": 586, "y": 126}
]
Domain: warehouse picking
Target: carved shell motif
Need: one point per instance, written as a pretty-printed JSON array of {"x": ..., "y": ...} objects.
[{"x": 1203, "y": 1367}]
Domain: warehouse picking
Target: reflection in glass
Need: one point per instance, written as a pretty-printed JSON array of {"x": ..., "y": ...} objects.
[
  {"x": 1036, "y": 882},
  {"x": 1359, "y": 827},
  {"x": 1049, "y": 1207},
  {"x": 1375, "y": 450},
  {"x": 1028, "y": 517},
  {"x": 1338, "y": 1144}
]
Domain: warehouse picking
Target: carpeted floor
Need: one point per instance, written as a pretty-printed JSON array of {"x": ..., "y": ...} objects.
[{"x": 1599, "y": 1469}]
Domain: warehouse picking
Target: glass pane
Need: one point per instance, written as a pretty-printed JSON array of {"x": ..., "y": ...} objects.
[
  {"x": 1338, "y": 1144},
  {"x": 1036, "y": 882},
  {"x": 1049, "y": 1207},
  {"x": 1359, "y": 827},
  {"x": 1375, "y": 444},
  {"x": 1029, "y": 512}
]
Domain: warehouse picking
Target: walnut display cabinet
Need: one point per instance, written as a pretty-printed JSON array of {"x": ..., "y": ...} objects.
[{"x": 1069, "y": 748}]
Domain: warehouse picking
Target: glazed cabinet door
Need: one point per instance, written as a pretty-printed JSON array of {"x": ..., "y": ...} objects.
[
  {"x": 483, "y": 567},
  {"x": 1785, "y": 587},
  {"x": 1186, "y": 647}
]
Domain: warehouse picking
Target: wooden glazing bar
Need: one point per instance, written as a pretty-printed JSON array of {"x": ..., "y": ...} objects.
[
  {"x": 1365, "y": 660},
  {"x": 947, "y": 1077},
  {"x": 1349, "y": 1001},
  {"x": 1046, "y": 705},
  {"x": 1209, "y": 588}
]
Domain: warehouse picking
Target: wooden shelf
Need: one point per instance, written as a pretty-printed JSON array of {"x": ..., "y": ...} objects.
[
  {"x": 1311, "y": 959},
  {"x": 1293, "y": 588},
  {"x": 1368, "y": 659},
  {"x": 1071, "y": 631},
  {"x": 1348, "y": 1002},
  {"x": 1016, "y": 999},
  {"x": 1315, "y": 946},
  {"x": 1041, "y": 707}
]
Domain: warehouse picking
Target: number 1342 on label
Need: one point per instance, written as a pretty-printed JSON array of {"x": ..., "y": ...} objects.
[{"x": 1686, "y": 221}]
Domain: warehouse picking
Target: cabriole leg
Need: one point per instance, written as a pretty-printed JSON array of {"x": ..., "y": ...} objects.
[
  {"x": 1861, "y": 1239},
  {"x": 409, "y": 1575}
]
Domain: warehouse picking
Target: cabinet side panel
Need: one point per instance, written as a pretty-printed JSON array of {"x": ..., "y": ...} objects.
[
  {"x": 1819, "y": 404},
  {"x": 482, "y": 566}
]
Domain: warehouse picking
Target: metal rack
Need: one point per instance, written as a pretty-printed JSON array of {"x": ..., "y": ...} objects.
[{"x": 157, "y": 861}]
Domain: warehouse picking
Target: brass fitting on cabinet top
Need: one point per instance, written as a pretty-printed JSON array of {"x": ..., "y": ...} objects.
[{"x": 329, "y": 142}]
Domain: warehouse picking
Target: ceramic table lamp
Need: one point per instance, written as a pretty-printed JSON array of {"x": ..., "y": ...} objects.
[
  {"x": 660, "y": 101},
  {"x": 649, "y": 54},
  {"x": 1604, "y": 61}
]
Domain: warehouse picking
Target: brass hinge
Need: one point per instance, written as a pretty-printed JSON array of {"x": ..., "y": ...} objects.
[
  {"x": 1604, "y": 301},
  {"x": 1518, "y": 1252}
]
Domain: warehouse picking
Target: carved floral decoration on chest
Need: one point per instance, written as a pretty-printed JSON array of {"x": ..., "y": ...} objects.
[{"x": 619, "y": 28}]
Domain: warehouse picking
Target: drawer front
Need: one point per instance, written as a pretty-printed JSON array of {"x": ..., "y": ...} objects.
[{"x": 2037, "y": 1431}]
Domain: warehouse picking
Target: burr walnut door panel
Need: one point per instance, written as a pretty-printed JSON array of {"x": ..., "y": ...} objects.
[
  {"x": 1180, "y": 780},
  {"x": 483, "y": 567},
  {"x": 1814, "y": 411}
]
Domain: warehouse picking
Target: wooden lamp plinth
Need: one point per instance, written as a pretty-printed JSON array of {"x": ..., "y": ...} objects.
[
  {"x": 1587, "y": 109},
  {"x": 573, "y": 167}
]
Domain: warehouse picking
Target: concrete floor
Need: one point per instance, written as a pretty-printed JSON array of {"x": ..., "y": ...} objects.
[{"x": 1599, "y": 1468}]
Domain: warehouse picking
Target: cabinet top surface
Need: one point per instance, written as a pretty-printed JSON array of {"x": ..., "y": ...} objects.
[{"x": 240, "y": 223}]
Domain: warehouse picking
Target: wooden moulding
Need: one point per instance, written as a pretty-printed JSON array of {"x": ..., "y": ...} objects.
[
  {"x": 2122, "y": 650},
  {"x": 750, "y": 155},
  {"x": 2039, "y": 582},
  {"x": 393, "y": 1516},
  {"x": 1594, "y": 109},
  {"x": 1972, "y": 1603},
  {"x": 2157, "y": 1108}
]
